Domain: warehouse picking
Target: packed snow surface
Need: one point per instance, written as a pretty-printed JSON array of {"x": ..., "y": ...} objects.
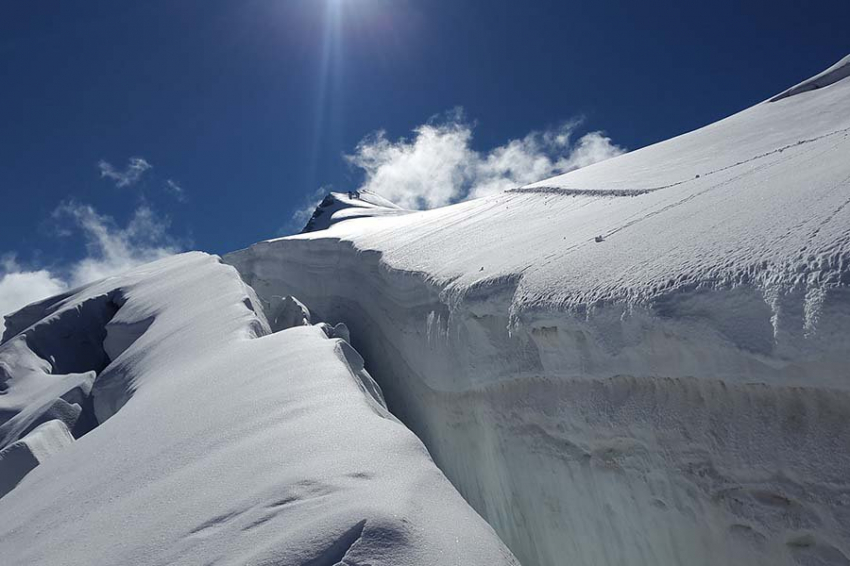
[
  {"x": 219, "y": 442},
  {"x": 641, "y": 362}
]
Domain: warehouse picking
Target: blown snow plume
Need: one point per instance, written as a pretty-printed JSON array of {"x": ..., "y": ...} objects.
[
  {"x": 651, "y": 372},
  {"x": 438, "y": 165}
]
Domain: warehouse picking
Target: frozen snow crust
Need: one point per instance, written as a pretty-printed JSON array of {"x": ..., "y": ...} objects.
[
  {"x": 642, "y": 362},
  {"x": 219, "y": 442}
]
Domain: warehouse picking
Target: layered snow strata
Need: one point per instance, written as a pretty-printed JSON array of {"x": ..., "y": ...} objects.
[
  {"x": 642, "y": 362},
  {"x": 221, "y": 442}
]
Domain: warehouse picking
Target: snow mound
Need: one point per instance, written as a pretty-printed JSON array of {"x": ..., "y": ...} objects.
[
  {"x": 837, "y": 72},
  {"x": 336, "y": 207},
  {"x": 640, "y": 362},
  {"x": 219, "y": 441},
  {"x": 19, "y": 458}
]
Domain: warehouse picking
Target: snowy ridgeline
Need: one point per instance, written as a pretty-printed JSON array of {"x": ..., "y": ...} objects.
[
  {"x": 642, "y": 362},
  {"x": 202, "y": 437}
]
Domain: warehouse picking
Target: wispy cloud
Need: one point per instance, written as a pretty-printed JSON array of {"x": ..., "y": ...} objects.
[
  {"x": 437, "y": 165},
  {"x": 130, "y": 175},
  {"x": 175, "y": 189},
  {"x": 110, "y": 249}
]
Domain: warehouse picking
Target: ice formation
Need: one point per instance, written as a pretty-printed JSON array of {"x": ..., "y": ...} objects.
[
  {"x": 218, "y": 440},
  {"x": 641, "y": 362}
]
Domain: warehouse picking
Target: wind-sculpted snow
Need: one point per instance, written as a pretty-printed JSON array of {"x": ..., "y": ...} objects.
[
  {"x": 641, "y": 362},
  {"x": 219, "y": 441}
]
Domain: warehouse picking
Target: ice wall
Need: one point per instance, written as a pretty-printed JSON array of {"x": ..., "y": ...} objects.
[
  {"x": 642, "y": 362},
  {"x": 578, "y": 451}
]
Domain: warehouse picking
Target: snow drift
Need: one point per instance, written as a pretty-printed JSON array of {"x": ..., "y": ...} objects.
[
  {"x": 218, "y": 440},
  {"x": 640, "y": 362}
]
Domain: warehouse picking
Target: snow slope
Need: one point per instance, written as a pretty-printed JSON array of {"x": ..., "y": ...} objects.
[
  {"x": 219, "y": 441},
  {"x": 641, "y": 362}
]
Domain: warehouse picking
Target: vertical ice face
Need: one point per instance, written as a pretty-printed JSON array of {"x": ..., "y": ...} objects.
[
  {"x": 641, "y": 362},
  {"x": 218, "y": 439}
]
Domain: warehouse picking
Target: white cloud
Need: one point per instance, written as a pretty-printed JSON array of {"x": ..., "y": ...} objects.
[
  {"x": 438, "y": 166},
  {"x": 136, "y": 168},
  {"x": 430, "y": 170},
  {"x": 20, "y": 287},
  {"x": 175, "y": 189},
  {"x": 110, "y": 249}
]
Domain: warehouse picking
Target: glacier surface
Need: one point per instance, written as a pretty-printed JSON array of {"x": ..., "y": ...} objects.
[{"x": 641, "y": 362}]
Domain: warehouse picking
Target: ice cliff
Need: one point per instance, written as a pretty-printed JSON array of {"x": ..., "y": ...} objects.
[{"x": 641, "y": 362}]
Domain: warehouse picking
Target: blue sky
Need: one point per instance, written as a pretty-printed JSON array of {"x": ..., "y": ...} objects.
[{"x": 131, "y": 130}]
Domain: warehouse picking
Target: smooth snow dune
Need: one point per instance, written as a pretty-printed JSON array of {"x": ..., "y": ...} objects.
[
  {"x": 223, "y": 443},
  {"x": 641, "y": 362}
]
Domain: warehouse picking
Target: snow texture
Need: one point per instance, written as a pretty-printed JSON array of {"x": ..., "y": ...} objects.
[
  {"x": 640, "y": 362},
  {"x": 219, "y": 441}
]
